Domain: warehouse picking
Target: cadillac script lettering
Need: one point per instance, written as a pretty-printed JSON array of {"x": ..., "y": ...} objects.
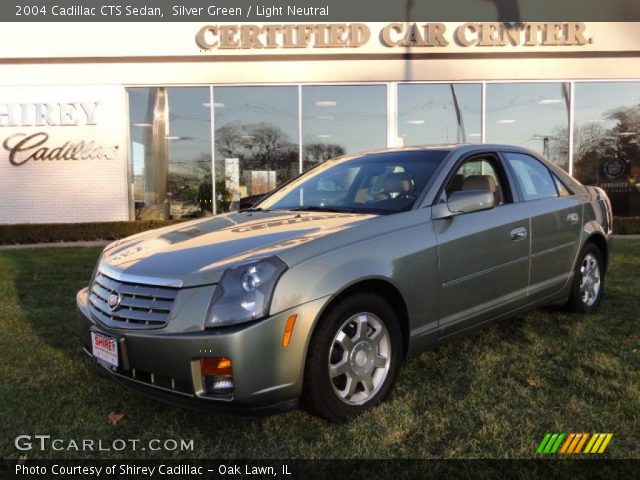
[
  {"x": 41, "y": 146},
  {"x": 23, "y": 147}
]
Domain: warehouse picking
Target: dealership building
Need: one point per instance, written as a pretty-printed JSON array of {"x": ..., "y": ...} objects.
[{"x": 125, "y": 121}]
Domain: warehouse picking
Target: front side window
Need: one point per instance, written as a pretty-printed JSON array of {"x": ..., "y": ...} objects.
[
  {"x": 533, "y": 177},
  {"x": 375, "y": 183},
  {"x": 480, "y": 173}
]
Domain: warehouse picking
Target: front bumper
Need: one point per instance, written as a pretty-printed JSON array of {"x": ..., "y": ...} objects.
[{"x": 165, "y": 364}]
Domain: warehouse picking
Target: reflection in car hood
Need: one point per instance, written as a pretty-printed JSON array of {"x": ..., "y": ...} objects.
[{"x": 196, "y": 253}]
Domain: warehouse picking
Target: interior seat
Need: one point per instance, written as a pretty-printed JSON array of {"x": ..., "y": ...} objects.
[
  {"x": 484, "y": 182},
  {"x": 455, "y": 184},
  {"x": 394, "y": 184}
]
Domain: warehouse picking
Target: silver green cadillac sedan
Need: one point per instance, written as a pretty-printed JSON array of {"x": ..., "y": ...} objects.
[{"x": 316, "y": 294}]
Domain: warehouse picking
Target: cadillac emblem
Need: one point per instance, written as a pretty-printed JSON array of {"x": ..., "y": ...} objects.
[
  {"x": 614, "y": 169},
  {"x": 114, "y": 300}
]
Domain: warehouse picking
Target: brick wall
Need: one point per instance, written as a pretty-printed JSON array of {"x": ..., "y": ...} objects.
[{"x": 48, "y": 186}]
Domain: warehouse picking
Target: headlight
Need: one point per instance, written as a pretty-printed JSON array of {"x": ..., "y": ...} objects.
[
  {"x": 95, "y": 269},
  {"x": 244, "y": 292}
]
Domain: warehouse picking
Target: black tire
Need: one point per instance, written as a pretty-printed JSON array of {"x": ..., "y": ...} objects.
[
  {"x": 360, "y": 312},
  {"x": 579, "y": 301}
]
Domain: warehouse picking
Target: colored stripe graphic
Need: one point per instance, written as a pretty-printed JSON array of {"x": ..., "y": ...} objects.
[
  {"x": 573, "y": 443},
  {"x": 550, "y": 443},
  {"x": 605, "y": 442},
  {"x": 567, "y": 443},
  {"x": 543, "y": 443},
  {"x": 590, "y": 444},
  {"x": 582, "y": 442}
]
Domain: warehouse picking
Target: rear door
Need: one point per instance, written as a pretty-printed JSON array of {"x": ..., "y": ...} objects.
[
  {"x": 556, "y": 222},
  {"x": 483, "y": 256}
]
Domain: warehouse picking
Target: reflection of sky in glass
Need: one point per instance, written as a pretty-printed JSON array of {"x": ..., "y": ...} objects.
[
  {"x": 525, "y": 114},
  {"x": 189, "y": 128},
  {"x": 352, "y": 116},
  {"x": 427, "y": 114},
  {"x": 189, "y": 125},
  {"x": 593, "y": 101},
  {"x": 138, "y": 115},
  {"x": 252, "y": 105}
]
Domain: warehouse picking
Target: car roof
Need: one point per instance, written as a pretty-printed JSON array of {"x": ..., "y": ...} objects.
[{"x": 460, "y": 147}]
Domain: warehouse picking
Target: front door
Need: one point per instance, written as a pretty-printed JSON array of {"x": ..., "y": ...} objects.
[{"x": 483, "y": 256}]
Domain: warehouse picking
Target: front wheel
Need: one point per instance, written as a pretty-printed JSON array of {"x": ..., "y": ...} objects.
[
  {"x": 353, "y": 357},
  {"x": 588, "y": 281}
]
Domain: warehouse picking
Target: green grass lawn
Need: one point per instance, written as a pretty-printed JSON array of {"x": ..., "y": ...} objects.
[{"x": 493, "y": 394}]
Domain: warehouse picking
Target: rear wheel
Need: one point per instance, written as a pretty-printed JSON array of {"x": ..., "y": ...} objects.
[
  {"x": 353, "y": 357},
  {"x": 588, "y": 281}
]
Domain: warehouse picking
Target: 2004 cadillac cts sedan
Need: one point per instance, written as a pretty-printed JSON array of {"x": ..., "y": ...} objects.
[{"x": 317, "y": 293}]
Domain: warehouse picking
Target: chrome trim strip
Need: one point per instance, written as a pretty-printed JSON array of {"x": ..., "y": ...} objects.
[
  {"x": 139, "y": 279},
  {"x": 553, "y": 249},
  {"x": 484, "y": 272}
]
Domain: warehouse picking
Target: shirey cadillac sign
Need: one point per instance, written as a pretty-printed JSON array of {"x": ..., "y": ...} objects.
[
  {"x": 36, "y": 146},
  {"x": 61, "y": 154}
]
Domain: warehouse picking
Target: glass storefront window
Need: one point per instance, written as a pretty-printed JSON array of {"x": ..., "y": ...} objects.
[
  {"x": 170, "y": 132},
  {"x": 256, "y": 142},
  {"x": 439, "y": 113},
  {"x": 531, "y": 115},
  {"x": 257, "y": 137},
  {"x": 342, "y": 119},
  {"x": 606, "y": 141}
]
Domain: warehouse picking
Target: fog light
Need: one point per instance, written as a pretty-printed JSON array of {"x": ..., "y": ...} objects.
[
  {"x": 217, "y": 385},
  {"x": 217, "y": 375}
]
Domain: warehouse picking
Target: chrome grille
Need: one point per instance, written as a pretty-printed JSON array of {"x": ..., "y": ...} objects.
[{"x": 140, "y": 307}]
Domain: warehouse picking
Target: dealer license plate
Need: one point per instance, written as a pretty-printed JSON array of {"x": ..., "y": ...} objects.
[{"x": 105, "y": 349}]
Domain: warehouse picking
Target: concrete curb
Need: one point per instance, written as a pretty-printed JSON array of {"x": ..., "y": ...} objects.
[{"x": 94, "y": 243}]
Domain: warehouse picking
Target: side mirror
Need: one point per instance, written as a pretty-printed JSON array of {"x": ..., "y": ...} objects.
[{"x": 464, "y": 201}]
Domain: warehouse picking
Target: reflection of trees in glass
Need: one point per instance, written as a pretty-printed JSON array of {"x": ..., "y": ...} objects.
[
  {"x": 594, "y": 145},
  {"x": 261, "y": 146},
  {"x": 193, "y": 187},
  {"x": 316, "y": 153},
  {"x": 555, "y": 146}
]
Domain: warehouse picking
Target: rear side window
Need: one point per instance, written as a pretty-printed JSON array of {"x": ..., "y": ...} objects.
[{"x": 533, "y": 177}]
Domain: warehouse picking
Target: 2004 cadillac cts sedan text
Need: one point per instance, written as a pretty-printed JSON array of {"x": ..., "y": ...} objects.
[{"x": 316, "y": 294}]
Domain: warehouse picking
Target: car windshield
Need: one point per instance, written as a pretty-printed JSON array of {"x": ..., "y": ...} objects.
[{"x": 379, "y": 183}]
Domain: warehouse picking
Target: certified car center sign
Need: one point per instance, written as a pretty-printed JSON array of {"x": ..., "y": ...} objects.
[
  {"x": 61, "y": 154},
  {"x": 391, "y": 35}
]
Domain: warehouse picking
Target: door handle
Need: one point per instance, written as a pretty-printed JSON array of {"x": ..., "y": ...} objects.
[
  {"x": 573, "y": 218},
  {"x": 519, "y": 233}
]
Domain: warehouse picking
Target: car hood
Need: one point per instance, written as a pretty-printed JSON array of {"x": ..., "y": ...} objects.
[{"x": 197, "y": 252}]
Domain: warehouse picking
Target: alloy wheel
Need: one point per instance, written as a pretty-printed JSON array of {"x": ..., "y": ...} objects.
[
  {"x": 359, "y": 358},
  {"x": 589, "y": 279}
]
